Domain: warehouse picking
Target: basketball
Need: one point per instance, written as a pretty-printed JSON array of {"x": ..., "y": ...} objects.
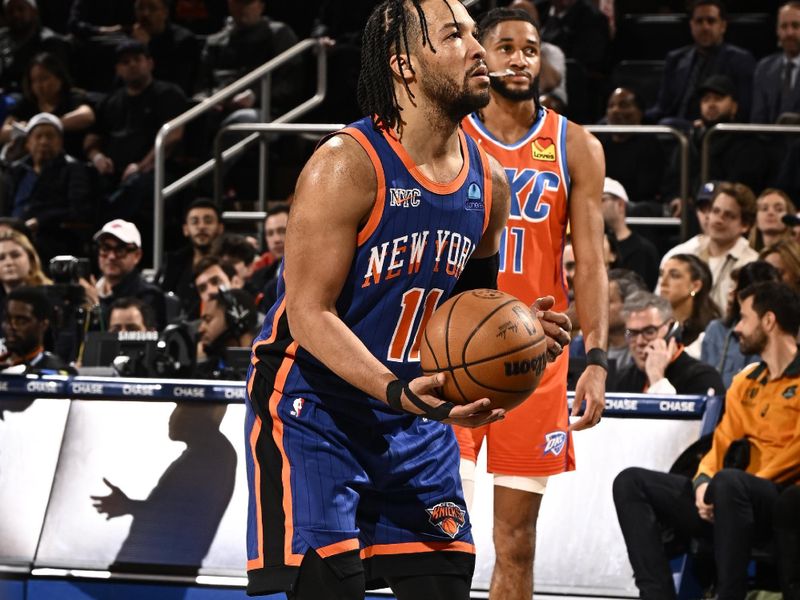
[{"x": 489, "y": 344}]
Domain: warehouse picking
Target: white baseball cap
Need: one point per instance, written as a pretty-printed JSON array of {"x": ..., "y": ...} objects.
[
  {"x": 615, "y": 188},
  {"x": 124, "y": 231},
  {"x": 44, "y": 119}
]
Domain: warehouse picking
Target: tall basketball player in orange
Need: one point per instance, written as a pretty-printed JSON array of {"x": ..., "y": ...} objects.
[{"x": 556, "y": 171}]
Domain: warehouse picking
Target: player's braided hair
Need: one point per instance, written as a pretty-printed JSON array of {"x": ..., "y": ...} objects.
[{"x": 390, "y": 27}]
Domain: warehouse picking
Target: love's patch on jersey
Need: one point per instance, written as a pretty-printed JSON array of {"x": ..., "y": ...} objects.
[
  {"x": 544, "y": 149},
  {"x": 448, "y": 517}
]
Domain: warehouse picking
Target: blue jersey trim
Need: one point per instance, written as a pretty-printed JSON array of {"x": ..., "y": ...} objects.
[{"x": 562, "y": 155}]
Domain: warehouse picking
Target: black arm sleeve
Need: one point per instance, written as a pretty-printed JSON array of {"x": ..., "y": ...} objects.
[{"x": 478, "y": 273}]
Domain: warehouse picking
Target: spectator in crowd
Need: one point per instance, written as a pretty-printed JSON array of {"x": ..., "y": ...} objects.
[
  {"x": 49, "y": 189},
  {"x": 691, "y": 65},
  {"x": 202, "y": 224},
  {"x": 227, "y": 321},
  {"x": 265, "y": 272},
  {"x": 237, "y": 251},
  {"x": 46, "y": 88},
  {"x": 636, "y": 161},
  {"x": 775, "y": 88},
  {"x": 773, "y": 204},
  {"x": 733, "y": 156},
  {"x": 22, "y": 38},
  {"x": 131, "y": 314},
  {"x": 723, "y": 248},
  {"x": 660, "y": 366},
  {"x": 19, "y": 264},
  {"x": 793, "y": 221},
  {"x": 175, "y": 49},
  {"x": 686, "y": 284},
  {"x": 128, "y": 120},
  {"x": 579, "y": 29},
  {"x": 753, "y": 458},
  {"x": 119, "y": 251},
  {"x": 248, "y": 40},
  {"x": 720, "y": 347},
  {"x": 784, "y": 255},
  {"x": 26, "y": 319},
  {"x": 212, "y": 273},
  {"x": 633, "y": 251}
]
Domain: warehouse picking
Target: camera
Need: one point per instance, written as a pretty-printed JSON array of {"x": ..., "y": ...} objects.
[
  {"x": 66, "y": 269},
  {"x": 67, "y": 297}
]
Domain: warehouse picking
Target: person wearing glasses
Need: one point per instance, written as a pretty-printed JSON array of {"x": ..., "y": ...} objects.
[
  {"x": 660, "y": 365},
  {"x": 119, "y": 251}
]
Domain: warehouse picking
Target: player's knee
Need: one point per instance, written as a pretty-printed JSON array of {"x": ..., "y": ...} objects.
[{"x": 514, "y": 545}]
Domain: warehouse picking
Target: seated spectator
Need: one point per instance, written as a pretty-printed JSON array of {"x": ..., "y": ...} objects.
[
  {"x": 686, "y": 67},
  {"x": 22, "y": 38},
  {"x": 660, "y": 366},
  {"x": 733, "y": 212},
  {"x": 174, "y": 49},
  {"x": 212, "y": 273},
  {"x": 131, "y": 314},
  {"x": 738, "y": 483},
  {"x": 793, "y": 221},
  {"x": 634, "y": 252},
  {"x": 636, "y": 161},
  {"x": 686, "y": 283},
  {"x": 247, "y": 41},
  {"x": 775, "y": 87},
  {"x": 19, "y": 264},
  {"x": 227, "y": 321},
  {"x": 265, "y": 271},
  {"x": 46, "y": 88},
  {"x": 202, "y": 224},
  {"x": 720, "y": 346},
  {"x": 785, "y": 257},
  {"x": 49, "y": 189},
  {"x": 773, "y": 204},
  {"x": 238, "y": 252},
  {"x": 119, "y": 251},
  {"x": 26, "y": 319},
  {"x": 128, "y": 120}
]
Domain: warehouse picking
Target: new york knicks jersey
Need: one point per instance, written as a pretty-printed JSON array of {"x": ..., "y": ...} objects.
[
  {"x": 410, "y": 253},
  {"x": 533, "y": 241}
]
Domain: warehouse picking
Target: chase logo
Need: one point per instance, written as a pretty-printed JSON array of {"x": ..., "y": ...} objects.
[
  {"x": 403, "y": 197},
  {"x": 554, "y": 442},
  {"x": 474, "y": 200},
  {"x": 448, "y": 517}
]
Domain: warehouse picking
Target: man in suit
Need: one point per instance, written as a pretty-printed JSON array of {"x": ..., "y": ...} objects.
[
  {"x": 775, "y": 87},
  {"x": 686, "y": 68}
]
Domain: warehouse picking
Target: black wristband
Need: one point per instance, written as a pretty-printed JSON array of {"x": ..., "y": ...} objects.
[
  {"x": 597, "y": 356},
  {"x": 394, "y": 394},
  {"x": 394, "y": 397}
]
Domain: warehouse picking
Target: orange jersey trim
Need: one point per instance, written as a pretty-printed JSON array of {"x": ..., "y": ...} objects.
[
  {"x": 271, "y": 338},
  {"x": 416, "y": 547},
  {"x": 376, "y": 213},
  {"x": 338, "y": 548},
  {"x": 487, "y": 187},
  {"x": 257, "y": 562},
  {"x": 429, "y": 184}
]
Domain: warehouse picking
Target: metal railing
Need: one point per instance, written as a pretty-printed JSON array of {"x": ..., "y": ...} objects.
[
  {"x": 705, "y": 166},
  {"x": 262, "y": 75},
  {"x": 684, "y": 165}
]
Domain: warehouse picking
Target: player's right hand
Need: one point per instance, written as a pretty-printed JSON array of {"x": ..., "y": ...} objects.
[{"x": 428, "y": 390}]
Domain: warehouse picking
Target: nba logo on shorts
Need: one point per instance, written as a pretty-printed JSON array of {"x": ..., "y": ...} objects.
[
  {"x": 448, "y": 517},
  {"x": 554, "y": 442},
  {"x": 474, "y": 200},
  {"x": 297, "y": 407}
]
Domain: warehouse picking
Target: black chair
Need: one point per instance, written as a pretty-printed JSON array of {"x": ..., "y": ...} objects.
[
  {"x": 579, "y": 108},
  {"x": 651, "y": 36},
  {"x": 643, "y": 76},
  {"x": 752, "y": 31}
]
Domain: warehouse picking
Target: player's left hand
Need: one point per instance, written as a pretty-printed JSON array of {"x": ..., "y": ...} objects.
[
  {"x": 556, "y": 325},
  {"x": 591, "y": 387}
]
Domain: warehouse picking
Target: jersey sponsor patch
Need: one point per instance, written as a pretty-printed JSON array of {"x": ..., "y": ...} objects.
[
  {"x": 554, "y": 442},
  {"x": 448, "y": 517},
  {"x": 474, "y": 200},
  {"x": 404, "y": 197},
  {"x": 544, "y": 148}
]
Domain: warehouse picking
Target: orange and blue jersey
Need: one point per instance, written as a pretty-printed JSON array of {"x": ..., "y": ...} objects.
[
  {"x": 533, "y": 439},
  {"x": 331, "y": 469}
]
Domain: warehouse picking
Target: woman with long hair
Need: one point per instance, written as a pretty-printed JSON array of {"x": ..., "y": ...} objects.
[
  {"x": 47, "y": 87},
  {"x": 772, "y": 204},
  {"x": 720, "y": 347},
  {"x": 784, "y": 255},
  {"x": 686, "y": 283},
  {"x": 19, "y": 264}
]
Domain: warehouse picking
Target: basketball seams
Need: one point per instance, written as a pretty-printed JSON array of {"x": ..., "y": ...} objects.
[
  {"x": 489, "y": 358},
  {"x": 447, "y": 348}
]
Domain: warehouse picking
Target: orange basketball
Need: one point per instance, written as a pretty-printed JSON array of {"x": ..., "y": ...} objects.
[{"x": 489, "y": 344}]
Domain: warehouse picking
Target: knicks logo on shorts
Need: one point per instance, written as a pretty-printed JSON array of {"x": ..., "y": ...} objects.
[
  {"x": 448, "y": 517},
  {"x": 554, "y": 442}
]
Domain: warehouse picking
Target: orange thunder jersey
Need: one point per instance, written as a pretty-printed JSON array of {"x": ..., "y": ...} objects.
[{"x": 532, "y": 243}]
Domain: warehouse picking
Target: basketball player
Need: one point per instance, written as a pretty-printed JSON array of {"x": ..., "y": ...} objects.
[
  {"x": 555, "y": 169},
  {"x": 349, "y": 488}
]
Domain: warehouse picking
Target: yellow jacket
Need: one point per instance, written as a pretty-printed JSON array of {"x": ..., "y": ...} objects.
[{"x": 768, "y": 414}]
